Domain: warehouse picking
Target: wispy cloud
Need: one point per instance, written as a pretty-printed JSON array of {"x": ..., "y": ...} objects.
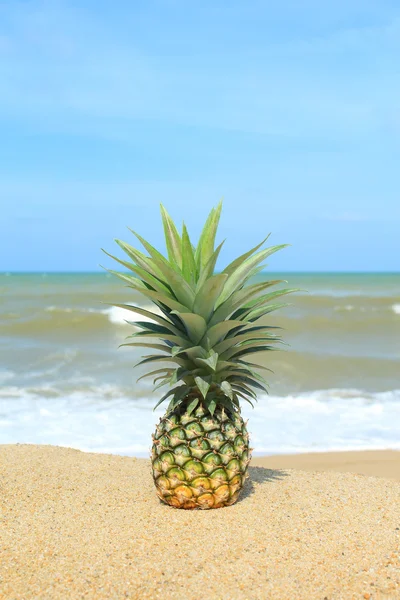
[
  {"x": 290, "y": 110},
  {"x": 63, "y": 67}
]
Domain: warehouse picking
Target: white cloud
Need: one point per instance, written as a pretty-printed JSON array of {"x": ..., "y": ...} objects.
[{"x": 65, "y": 66}]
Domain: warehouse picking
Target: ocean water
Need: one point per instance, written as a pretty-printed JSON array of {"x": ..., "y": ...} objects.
[{"x": 63, "y": 380}]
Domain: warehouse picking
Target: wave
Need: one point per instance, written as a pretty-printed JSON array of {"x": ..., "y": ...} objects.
[
  {"x": 395, "y": 308},
  {"x": 120, "y": 316},
  {"x": 115, "y": 314},
  {"x": 55, "y": 319},
  {"x": 109, "y": 391},
  {"x": 105, "y": 419}
]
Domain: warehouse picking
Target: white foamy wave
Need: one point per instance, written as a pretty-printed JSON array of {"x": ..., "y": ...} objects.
[
  {"x": 6, "y": 376},
  {"x": 68, "y": 309},
  {"x": 119, "y": 316},
  {"x": 106, "y": 419},
  {"x": 115, "y": 314},
  {"x": 396, "y": 309},
  {"x": 346, "y": 307}
]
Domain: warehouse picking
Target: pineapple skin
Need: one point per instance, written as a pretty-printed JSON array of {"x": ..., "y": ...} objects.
[{"x": 198, "y": 460}]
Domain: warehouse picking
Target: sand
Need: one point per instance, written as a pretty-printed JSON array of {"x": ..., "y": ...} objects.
[
  {"x": 79, "y": 525},
  {"x": 379, "y": 463}
]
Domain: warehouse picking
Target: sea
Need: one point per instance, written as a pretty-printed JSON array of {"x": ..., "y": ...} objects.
[{"x": 65, "y": 381}]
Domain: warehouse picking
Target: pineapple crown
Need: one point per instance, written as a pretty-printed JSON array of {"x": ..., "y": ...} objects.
[{"x": 207, "y": 323}]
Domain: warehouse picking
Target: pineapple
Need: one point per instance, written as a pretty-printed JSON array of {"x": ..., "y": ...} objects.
[{"x": 205, "y": 326}]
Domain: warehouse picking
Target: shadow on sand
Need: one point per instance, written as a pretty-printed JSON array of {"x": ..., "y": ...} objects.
[{"x": 260, "y": 475}]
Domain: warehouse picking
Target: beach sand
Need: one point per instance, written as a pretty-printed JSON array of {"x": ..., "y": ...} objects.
[
  {"x": 80, "y": 525},
  {"x": 376, "y": 463}
]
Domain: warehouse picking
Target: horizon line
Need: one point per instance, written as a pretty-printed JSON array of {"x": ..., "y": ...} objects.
[{"x": 330, "y": 272}]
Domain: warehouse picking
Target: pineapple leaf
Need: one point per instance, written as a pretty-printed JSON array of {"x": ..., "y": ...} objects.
[
  {"x": 192, "y": 406},
  {"x": 210, "y": 362},
  {"x": 235, "y": 353},
  {"x": 132, "y": 281},
  {"x": 155, "y": 328},
  {"x": 172, "y": 238},
  {"x": 227, "y": 389},
  {"x": 236, "y": 300},
  {"x": 176, "y": 282},
  {"x": 254, "y": 365},
  {"x": 211, "y": 405},
  {"x": 178, "y": 392},
  {"x": 204, "y": 323},
  {"x": 177, "y": 350},
  {"x": 237, "y": 276},
  {"x": 243, "y": 395},
  {"x": 203, "y": 384},
  {"x": 256, "y": 314},
  {"x": 208, "y": 270},
  {"x": 189, "y": 267},
  {"x": 248, "y": 380},
  {"x": 244, "y": 389},
  {"x": 165, "y": 381},
  {"x": 157, "y": 358},
  {"x": 144, "y": 274},
  {"x": 195, "y": 325},
  {"x": 236, "y": 340},
  {"x": 196, "y": 352},
  {"x": 208, "y": 294},
  {"x": 205, "y": 247},
  {"x": 154, "y": 346},
  {"x": 231, "y": 268},
  {"x": 168, "y": 339},
  {"x": 139, "y": 258},
  {"x": 220, "y": 330},
  {"x": 150, "y": 315},
  {"x": 128, "y": 265},
  {"x": 158, "y": 297},
  {"x": 165, "y": 369},
  {"x": 261, "y": 300}
]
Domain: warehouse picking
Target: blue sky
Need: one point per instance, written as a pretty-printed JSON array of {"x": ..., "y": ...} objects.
[{"x": 289, "y": 110}]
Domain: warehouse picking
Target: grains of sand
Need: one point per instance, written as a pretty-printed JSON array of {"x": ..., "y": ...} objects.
[{"x": 76, "y": 525}]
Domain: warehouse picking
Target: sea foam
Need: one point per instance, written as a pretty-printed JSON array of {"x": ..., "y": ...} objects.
[
  {"x": 107, "y": 419},
  {"x": 119, "y": 316}
]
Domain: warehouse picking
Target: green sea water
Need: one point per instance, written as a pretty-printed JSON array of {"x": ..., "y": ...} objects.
[
  {"x": 343, "y": 330},
  {"x": 63, "y": 379}
]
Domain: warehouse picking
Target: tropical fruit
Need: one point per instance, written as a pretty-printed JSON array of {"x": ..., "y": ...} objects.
[{"x": 205, "y": 327}]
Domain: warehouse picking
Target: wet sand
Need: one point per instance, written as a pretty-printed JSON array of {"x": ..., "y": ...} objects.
[{"x": 81, "y": 525}]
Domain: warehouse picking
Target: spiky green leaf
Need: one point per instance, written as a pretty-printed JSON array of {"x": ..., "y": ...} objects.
[
  {"x": 203, "y": 384},
  {"x": 220, "y": 330},
  {"x": 189, "y": 267},
  {"x": 210, "y": 362},
  {"x": 205, "y": 247},
  {"x": 192, "y": 405},
  {"x": 195, "y": 325},
  {"x": 208, "y": 270},
  {"x": 237, "y": 276},
  {"x": 207, "y": 295},
  {"x": 172, "y": 238},
  {"x": 227, "y": 389}
]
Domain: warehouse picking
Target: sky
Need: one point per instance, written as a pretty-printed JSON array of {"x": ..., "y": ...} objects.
[{"x": 288, "y": 110}]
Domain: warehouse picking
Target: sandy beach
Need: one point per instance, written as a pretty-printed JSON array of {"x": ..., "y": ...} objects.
[
  {"x": 375, "y": 463},
  {"x": 80, "y": 525}
]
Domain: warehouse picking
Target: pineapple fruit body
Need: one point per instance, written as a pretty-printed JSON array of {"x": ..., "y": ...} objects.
[{"x": 200, "y": 460}]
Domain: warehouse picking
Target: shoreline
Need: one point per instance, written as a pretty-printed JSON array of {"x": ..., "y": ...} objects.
[{"x": 372, "y": 463}]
